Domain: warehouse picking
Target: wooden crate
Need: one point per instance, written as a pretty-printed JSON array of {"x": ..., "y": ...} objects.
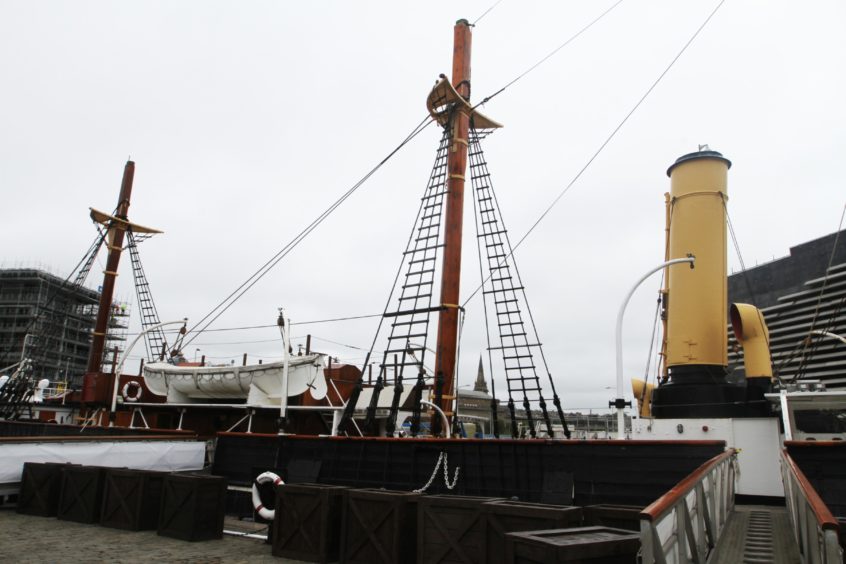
[
  {"x": 379, "y": 526},
  {"x": 132, "y": 499},
  {"x": 307, "y": 525},
  {"x": 81, "y": 495},
  {"x": 502, "y": 517},
  {"x": 451, "y": 528},
  {"x": 588, "y": 545},
  {"x": 616, "y": 516},
  {"x": 192, "y": 507},
  {"x": 41, "y": 485}
]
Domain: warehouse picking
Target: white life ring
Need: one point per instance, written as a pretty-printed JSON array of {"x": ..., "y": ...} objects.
[
  {"x": 264, "y": 478},
  {"x": 131, "y": 396}
]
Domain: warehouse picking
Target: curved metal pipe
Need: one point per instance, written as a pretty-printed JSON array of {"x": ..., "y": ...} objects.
[
  {"x": 619, "y": 403},
  {"x": 443, "y": 416}
]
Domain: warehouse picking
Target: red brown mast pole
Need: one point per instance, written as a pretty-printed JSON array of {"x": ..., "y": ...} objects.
[
  {"x": 451, "y": 272},
  {"x": 115, "y": 244}
]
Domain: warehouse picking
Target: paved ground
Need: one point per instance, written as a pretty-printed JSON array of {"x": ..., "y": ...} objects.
[{"x": 24, "y": 538}]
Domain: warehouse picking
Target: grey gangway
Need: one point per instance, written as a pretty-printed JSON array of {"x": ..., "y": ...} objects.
[{"x": 697, "y": 521}]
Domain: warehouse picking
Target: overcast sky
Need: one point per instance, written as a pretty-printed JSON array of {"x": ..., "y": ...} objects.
[{"x": 248, "y": 119}]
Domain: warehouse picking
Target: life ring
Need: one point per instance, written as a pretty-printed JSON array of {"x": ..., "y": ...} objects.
[
  {"x": 264, "y": 478},
  {"x": 131, "y": 396}
]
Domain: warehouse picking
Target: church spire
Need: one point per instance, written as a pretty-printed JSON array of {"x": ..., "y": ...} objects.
[{"x": 481, "y": 385}]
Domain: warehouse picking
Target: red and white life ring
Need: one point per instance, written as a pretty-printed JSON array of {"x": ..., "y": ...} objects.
[
  {"x": 136, "y": 392},
  {"x": 264, "y": 478}
]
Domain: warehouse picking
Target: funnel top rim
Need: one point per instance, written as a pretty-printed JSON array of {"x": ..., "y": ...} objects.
[{"x": 698, "y": 155}]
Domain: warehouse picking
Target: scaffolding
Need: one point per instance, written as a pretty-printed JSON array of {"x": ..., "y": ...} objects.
[{"x": 47, "y": 319}]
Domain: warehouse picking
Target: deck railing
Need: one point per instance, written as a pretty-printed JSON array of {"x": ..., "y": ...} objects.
[
  {"x": 683, "y": 525},
  {"x": 815, "y": 528}
]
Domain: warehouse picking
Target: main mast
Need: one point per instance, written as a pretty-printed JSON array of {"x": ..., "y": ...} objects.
[{"x": 451, "y": 273}]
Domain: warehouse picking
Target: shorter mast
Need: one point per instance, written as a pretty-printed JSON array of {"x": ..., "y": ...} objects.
[{"x": 116, "y": 226}]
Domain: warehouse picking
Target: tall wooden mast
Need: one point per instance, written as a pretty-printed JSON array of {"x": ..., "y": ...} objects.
[
  {"x": 451, "y": 273},
  {"x": 114, "y": 240}
]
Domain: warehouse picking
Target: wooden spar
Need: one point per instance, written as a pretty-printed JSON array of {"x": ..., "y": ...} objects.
[
  {"x": 451, "y": 272},
  {"x": 115, "y": 245}
]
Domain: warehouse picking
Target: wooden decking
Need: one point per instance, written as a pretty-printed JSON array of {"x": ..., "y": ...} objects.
[{"x": 757, "y": 534}]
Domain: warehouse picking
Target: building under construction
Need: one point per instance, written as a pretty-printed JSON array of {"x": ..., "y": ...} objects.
[{"x": 50, "y": 320}]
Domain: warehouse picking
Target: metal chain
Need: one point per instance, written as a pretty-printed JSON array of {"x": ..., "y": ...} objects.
[
  {"x": 446, "y": 474},
  {"x": 442, "y": 457}
]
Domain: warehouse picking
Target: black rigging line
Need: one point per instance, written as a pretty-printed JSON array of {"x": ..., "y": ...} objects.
[
  {"x": 544, "y": 59},
  {"x": 604, "y": 143},
  {"x": 266, "y": 267},
  {"x": 93, "y": 249},
  {"x": 736, "y": 244},
  {"x": 486, "y": 12},
  {"x": 274, "y": 325},
  {"x": 807, "y": 342}
]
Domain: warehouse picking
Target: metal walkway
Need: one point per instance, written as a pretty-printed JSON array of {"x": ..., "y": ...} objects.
[{"x": 757, "y": 534}]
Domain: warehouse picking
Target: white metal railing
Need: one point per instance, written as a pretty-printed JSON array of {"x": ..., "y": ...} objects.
[
  {"x": 684, "y": 524},
  {"x": 815, "y": 528}
]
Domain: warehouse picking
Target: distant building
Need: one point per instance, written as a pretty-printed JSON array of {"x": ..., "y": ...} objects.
[
  {"x": 799, "y": 293},
  {"x": 474, "y": 406},
  {"x": 50, "y": 320}
]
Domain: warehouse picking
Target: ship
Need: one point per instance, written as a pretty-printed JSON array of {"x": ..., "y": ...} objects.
[{"x": 684, "y": 486}]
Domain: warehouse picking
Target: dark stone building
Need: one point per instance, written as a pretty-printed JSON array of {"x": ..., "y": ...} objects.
[{"x": 803, "y": 298}]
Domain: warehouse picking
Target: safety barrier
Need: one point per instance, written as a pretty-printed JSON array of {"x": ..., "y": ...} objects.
[
  {"x": 683, "y": 525},
  {"x": 815, "y": 528}
]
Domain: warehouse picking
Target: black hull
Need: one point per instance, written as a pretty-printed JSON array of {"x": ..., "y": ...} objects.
[{"x": 561, "y": 472}]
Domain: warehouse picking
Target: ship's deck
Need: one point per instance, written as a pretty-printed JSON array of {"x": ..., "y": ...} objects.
[{"x": 757, "y": 534}]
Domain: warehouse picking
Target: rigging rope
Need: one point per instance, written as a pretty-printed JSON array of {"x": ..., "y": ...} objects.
[
  {"x": 547, "y": 57},
  {"x": 486, "y": 12},
  {"x": 606, "y": 142},
  {"x": 267, "y": 266},
  {"x": 652, "y": 342},
  {"x": 356, "y": 392},
  {"x": 740, "y": 257},
  {"x": 807, "y": 342},
  {"x": 92, "y": 250}
]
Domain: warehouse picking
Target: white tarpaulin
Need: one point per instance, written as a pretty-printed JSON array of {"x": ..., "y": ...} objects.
[{"x": 161, "y": 455}]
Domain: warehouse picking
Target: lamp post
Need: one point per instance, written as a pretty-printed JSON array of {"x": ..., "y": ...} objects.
[
  {"x": 620, "y": 402},
  {"x": 183, "y": 322}
]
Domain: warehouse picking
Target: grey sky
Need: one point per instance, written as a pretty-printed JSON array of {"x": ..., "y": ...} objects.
[{"x": 247, "y": 119}]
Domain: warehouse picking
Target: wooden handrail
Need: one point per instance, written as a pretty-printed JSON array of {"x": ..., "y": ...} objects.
[
  {"x": 823, "y": 515},
  {"x": 666, "y": 502}
]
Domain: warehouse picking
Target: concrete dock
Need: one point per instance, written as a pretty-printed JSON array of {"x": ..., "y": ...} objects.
[{"x": 24, "y": 538}]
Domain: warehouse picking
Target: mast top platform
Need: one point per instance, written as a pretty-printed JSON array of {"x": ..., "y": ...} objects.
[
  {"x": 107, "y": 220},
  {"x": 444, "y": 96}
]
